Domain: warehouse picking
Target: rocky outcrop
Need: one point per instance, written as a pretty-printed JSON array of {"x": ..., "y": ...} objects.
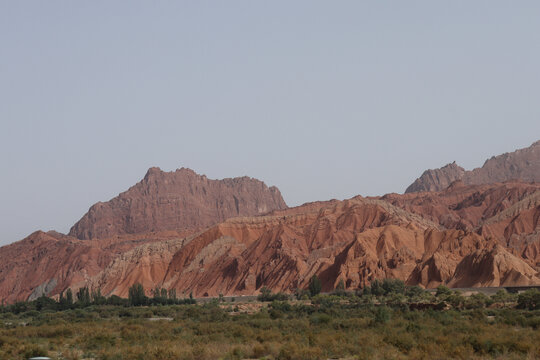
[
  {"x": 464, "y": 236},
  {"x": 180, "y": 200},
  {"x": 47, "y": 263},
  {"x": 30, "y": 267},
  {"x": 493, "y": 267},
  {"x": 437, "y": 179},
  {"x": 482, "y": 208},
  {"x": 523, "y": 165},
  {"x": 356, "y": 240}
]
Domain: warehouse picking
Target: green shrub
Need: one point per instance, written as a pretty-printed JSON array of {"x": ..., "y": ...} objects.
[
  {"x": 414, "y": 292},
  {"x": 393, "y": 286},
  {"x": 267, "y": 295},
  {"x": 443, "y": 291},
  {"x": 529, "y": 299},
  {"x": 320, "y": 319},
  {"x": 477, "y": 301},
  {"x": 382, "y": 315}
]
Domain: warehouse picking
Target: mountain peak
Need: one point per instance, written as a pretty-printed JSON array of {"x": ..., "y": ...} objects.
[
  {"x": 522, "y": 164},
  {"x": 180, "y": 199},
  {"x": 153, "y": 171},
  {"x": 437, "y": 179}
]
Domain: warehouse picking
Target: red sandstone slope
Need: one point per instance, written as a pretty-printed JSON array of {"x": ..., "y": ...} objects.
[
  {"x": 182, "y": 201},
  {"x": 177, "y": 200},
  {"x": 481, "y": 235},
  {"x": 522, "y": 164},
  {"x": 472, "y": 207},
  {"x": 356, "y": 240},
  {"x": 47, "y": 263}
]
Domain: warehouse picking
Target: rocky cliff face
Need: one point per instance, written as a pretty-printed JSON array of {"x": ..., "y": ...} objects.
[
  {"x": 523, "y": 164},
  {"x": 47, "y": 263},
  {"x": 437, "y": 179},
  {"x": 360, "y": 239},
  {"x": 177, "y": 200},
  {"x": 235, "y": 236},
  {"x": 476, "y": 235},
  {"x": 465, "y": 236}
]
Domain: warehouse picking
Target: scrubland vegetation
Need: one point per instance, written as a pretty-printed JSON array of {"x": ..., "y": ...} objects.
[{"x": 384, "y": 321}]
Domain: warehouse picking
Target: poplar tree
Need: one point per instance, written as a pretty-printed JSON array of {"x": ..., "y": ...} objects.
[{"x": 314, "y": 285}]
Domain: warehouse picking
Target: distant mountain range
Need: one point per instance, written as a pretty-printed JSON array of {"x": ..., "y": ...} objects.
[
  {"x": 184, "y": 231},
  {"x": 523, "y": 165}
]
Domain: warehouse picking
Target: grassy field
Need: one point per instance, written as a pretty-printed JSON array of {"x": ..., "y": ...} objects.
[{"x": 323, "y": 327}]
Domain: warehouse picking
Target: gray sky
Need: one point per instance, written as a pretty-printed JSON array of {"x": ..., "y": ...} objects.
[{"x": 324, "y": 99}]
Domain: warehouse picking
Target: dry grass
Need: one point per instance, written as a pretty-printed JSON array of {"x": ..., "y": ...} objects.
[{"x": 280, "y": 332}]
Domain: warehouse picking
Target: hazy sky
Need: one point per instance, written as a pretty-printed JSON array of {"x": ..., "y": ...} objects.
[{"x": 324, "y": 99}]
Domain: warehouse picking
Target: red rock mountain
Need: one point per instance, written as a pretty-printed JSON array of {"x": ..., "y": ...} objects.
[
  {"x": 523, "y": 164},
  {"x": 463, "y": 236},
  {"x": 176, "y": 200}
]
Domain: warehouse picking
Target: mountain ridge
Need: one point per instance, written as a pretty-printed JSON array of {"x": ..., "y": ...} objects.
[
  {"x": 244, "y": 237},
  {"x": 522, "y": 164},
  {"x": 424, "y": 239},
  {"x": 175, "y": 200}
]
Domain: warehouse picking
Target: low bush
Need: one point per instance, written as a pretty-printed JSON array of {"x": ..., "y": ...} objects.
[
  {"x": 529, "y": 299},
  {"x": 267, "y": 295}
]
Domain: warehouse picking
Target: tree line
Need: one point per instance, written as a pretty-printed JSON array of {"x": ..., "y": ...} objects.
[
  {"x": 394, "y": 292},
  {"x": 84, "y": 297},
  {"x": 387, "y": 291}
]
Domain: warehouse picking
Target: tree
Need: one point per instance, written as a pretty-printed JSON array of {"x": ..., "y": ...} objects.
[
  {"x": 117, "y": 300},
  {"x": 97, "y": 298},
  {"x": 456, "y": 299},
  {"x": 393, "y": 286},
  {"x": 340, "y": 288},
  {"x": 529, "y": 299},
  {"x": 191, "y": 299},
  {"x": 83, "y": 296},
  {"x": 19, "y": 307},
  {"x": 377, "y": 288},
  {"x": 65, "y": 302},
  {"x": 45, "y": 303},
  {"x": 314, "y": 285},
  {"x": 443, "y": 291},
  {"x": 265, "y": 295},
  {"x": 137, "y": 296},
  {"x": 503, "y": 297},
  {"x": 413, "y": 292},
  {"x": 172, "y": 294},
  {"x": 159, "y": 295},
  {"x": 477, "y": 301},
  {"x": 69, "y": 298},
  {"x": 61, "y": 301}
]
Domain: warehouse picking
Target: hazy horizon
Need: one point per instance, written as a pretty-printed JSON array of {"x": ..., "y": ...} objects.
[{"x": 321, "y": 100}]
